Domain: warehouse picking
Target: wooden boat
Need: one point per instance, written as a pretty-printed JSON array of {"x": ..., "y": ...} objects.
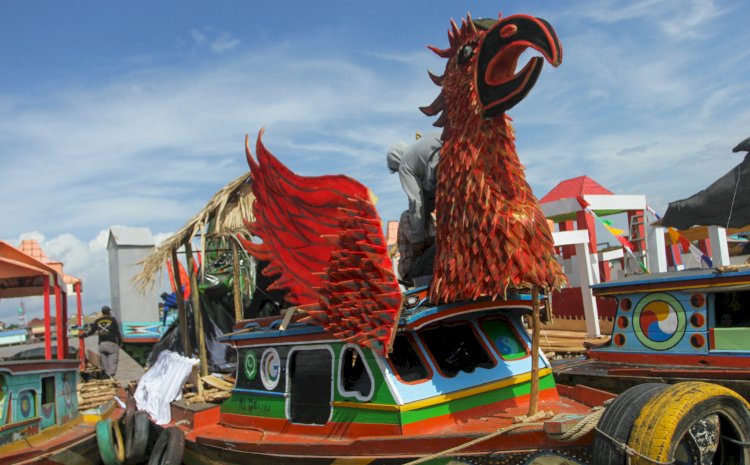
[
  {"x": 353, "y": 371},
  {"x": 39, "y": 417},
  {"x": 457, "y": 373},
  {"x": 675, "y": 326}
]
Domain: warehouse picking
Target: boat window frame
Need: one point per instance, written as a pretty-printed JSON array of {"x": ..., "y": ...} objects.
[
  {"x": 479, "y": 337},
  {"x": 288, "y": 386},
  {"x": 420, "y": 355},
  {"x": 513, "y": 329},
  {"x": 340, "y": 378}
]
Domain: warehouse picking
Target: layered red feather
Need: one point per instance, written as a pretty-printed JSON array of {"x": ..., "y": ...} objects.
[{"x": 323, "y": 239}]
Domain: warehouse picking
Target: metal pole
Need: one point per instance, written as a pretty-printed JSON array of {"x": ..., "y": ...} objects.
[
  {"x": 236, "y": 283},
  {"x": 197, "y": 314},
  {"x": 47, "y": 322},
  {"x": 181, "y": 312},
  {"x": 59, "y": 324},
  {"x": 81, "y": 340}
]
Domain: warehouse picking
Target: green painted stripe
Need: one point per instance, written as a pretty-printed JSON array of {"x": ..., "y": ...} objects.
[
  {"x": 466, "y": 403},
  {"x": 257, "y": 406},
  {"x": 355, "y": 415}
]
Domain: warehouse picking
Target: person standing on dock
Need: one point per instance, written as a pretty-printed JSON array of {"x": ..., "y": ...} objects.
[{"x": 110, "y": 340}]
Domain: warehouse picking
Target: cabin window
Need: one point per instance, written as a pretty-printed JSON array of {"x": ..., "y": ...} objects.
[
  {"x": 354, "y": 375},
  {"x": 732, "y": 318},
  {"x": 310, "y": 380},
  {"x": 732, "y": 309},
  {"x": 406, "y": 362},
  {"x": 455, "y": 347},
  {"x": 504, "y": 338}
]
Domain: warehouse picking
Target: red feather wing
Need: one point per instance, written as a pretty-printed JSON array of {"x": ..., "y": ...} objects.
[{"x": 322, "y": 236}]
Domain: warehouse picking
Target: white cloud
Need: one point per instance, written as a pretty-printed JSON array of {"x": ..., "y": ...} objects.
[
  {"x": 216, "y": 41},
  {"x": 224, "y": 42},
  {"x": 87, "y": 261}
]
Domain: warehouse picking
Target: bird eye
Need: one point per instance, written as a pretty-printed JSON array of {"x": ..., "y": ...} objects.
[{"x": 466, "y": 52}]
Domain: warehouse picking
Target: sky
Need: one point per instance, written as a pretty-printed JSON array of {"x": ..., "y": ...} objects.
[{"x": 135, "y": 113}]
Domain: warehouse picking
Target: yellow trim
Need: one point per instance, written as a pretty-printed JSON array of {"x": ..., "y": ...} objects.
[
  {"x": 93, "y": 415},
  {"x": 518, "y": 379},
  {"x": 37, "y": 440}
]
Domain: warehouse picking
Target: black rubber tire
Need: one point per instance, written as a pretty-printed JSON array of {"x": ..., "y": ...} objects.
[
  {"x": 618, "y": 420},
  {"x": 168, "y": 448},
  {"x": 136, "y": 437}
]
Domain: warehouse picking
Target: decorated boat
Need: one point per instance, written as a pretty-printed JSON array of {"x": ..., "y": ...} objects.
[
  {"x": 351, "y": 369},
  {"x": 39, "y": 417},
  {"x": 674, "y": 326}
]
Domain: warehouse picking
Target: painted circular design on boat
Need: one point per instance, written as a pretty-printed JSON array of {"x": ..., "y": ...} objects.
[
  {"x": 251, "y": 365},
  {"x": 68, "y": 390},
  {"x": 697, "y": 300},
  {"x": 626, "y": 304},
  {"x": 26, "y": 399},
  {"x": 697, "y": 320},
  {"x": 270, "y": 368},
  {"x": 697, "y": 341},
  {"x": 622, "y": 322},
  {"x": 620, "y": 340},
  {"x": 659, "y": 321}
]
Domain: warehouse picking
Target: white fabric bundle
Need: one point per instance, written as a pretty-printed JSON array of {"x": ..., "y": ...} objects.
[{"x": 162, "y": 384}]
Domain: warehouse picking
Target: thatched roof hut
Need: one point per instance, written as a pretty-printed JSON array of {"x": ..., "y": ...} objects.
[{"x": 222, "y": 216}]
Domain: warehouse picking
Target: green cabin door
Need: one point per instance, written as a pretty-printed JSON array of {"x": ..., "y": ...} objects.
[{"x": 310, "y": 386}]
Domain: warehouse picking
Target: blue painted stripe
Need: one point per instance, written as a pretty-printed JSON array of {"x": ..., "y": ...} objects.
[
  {"x": 266, "y": 333},
  {"x": 255, "y": 391},
  {"x": 420, "y": 313}
]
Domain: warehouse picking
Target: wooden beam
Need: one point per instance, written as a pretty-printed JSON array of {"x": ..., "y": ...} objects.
[
  {"x": 181, "y": 312},
  {"x": 197, "y": 314},
  {"x": 237, "y": 283},
  {"x": 536, "y": 329}
]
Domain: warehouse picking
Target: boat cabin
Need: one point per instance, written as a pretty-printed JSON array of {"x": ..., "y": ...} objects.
[
  {"x": 686, "y": 318},
  {"x": 36, "y": 395},
  {"x": 448, "y": 364}
]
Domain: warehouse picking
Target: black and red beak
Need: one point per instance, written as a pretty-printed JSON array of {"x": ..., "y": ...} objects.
[{"x": 499, "y": 86}]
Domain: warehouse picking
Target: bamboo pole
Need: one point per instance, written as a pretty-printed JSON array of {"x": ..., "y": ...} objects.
[
  {"x": 534, "y": 395},
  {"x": 181, "y": 313},
  {"x": 236, "y": 283},
  {"x": 197, "y": 314}
]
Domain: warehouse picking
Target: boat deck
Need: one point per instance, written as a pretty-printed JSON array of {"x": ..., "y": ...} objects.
[{"x": 577, "y": 401}]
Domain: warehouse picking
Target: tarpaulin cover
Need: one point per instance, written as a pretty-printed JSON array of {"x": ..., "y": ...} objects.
[
  {"x": 724, "y": 203},
  {"x": 218, "y": 318}
]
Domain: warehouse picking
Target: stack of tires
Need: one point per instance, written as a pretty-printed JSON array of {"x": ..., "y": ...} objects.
[
  {"x": 686, "y": 423},
  {"x": 116, "y": 448}
]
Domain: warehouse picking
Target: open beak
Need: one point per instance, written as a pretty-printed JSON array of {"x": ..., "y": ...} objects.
[{"x": 500, "y": 87}]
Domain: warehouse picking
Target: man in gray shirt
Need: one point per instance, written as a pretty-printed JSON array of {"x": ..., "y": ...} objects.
[{"x": 416, "y": 165}]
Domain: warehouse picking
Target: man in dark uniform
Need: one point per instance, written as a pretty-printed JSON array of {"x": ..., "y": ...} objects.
[{"x": 110, "y": 339}]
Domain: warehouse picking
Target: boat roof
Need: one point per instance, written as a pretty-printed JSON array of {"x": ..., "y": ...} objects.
[
  {"x": 735, "y": 278},
  {"x": 416, "y": 313}
]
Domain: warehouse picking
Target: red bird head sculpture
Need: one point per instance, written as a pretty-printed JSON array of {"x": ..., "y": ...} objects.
[{"x": 491, "y": 233}]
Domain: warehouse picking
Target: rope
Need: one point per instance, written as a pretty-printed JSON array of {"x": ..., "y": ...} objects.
[
  {"x": 629, "y": 450},
  {"x": 581, "y": 428},
  {"x": 731, "y": 206},
  {"x": 734, "y": 441},
  {"x": 475, "y": 441}
]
